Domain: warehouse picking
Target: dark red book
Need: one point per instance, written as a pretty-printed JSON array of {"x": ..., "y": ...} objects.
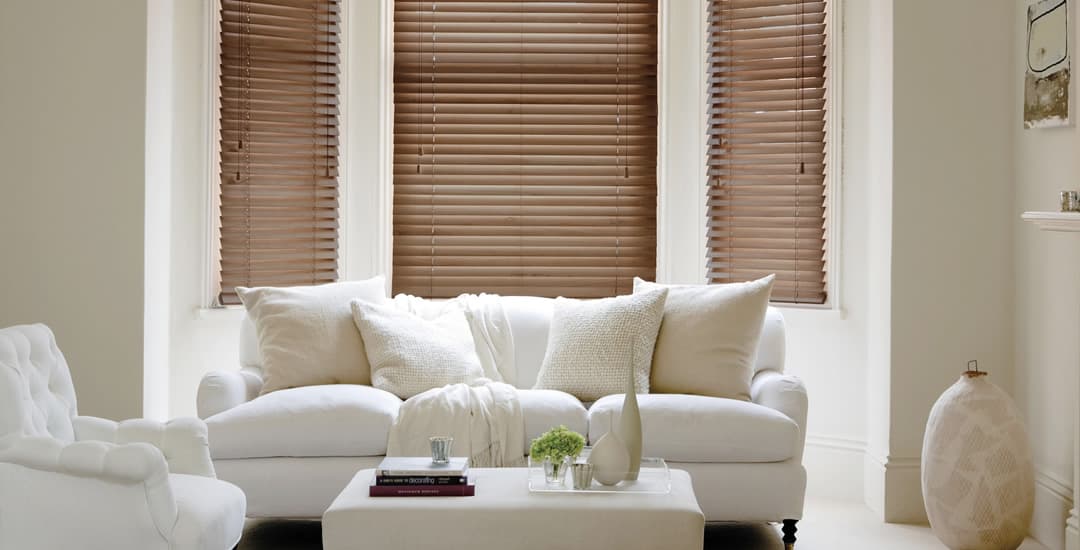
[{"x": 422, "y": 490}]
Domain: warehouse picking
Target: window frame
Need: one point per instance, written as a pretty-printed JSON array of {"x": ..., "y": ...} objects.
[
  {"x": 833, "y": 153},
  {"x": 413, "y": 256},
  {"x": 211, "y": 205}
]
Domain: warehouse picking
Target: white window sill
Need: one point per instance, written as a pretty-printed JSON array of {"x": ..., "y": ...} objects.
[
  {"x": 821, "y": 311},
  {"x": 221, "y": 313}
]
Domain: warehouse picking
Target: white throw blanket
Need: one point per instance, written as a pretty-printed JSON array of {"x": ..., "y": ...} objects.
[{"x": 484, "y": 418}]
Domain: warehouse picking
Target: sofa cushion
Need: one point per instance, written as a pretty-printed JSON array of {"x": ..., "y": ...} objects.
[
  {"x": 707, "y": 340},
  {"x": 329, "y": 420},
  {"x": 545, "y": 409},
  {"x": 695, "y": 428},
  {"x": 306, "y": 333},
  {"x": 593, "y": 343},
  {"x": 410, "y": 354}
]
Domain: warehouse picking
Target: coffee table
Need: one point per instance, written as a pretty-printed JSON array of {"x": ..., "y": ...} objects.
[{"x": 504, "y": 515}]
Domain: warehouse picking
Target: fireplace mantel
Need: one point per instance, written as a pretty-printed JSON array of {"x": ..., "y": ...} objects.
[
  {"x": 1054, "y": 221},
  {"x": 1067, "y": 222}
]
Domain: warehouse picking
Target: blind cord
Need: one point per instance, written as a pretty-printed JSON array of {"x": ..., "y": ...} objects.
[
  {"x": 245, "y": 145},
  {"x": 618, "y": 134},
  {"x": 798, "y": 135},
  {"x": 434, "y": 158}
]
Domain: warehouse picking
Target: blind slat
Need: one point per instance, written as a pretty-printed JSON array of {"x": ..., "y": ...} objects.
[
  {"x": 278, "y": 143},
  {"x": 524, "y": 147},
  {"x": 766, "y": 139}
]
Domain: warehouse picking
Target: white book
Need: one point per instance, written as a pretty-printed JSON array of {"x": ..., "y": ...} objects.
[{"x": 421, "y": 466}]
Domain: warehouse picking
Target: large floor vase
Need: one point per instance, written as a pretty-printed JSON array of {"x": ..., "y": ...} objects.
[{"x": 978, "y": 481}]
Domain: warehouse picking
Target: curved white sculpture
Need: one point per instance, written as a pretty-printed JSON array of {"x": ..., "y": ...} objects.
[
  {"x": 978, "y": 481},
  {"x": 609, "y": 459}
]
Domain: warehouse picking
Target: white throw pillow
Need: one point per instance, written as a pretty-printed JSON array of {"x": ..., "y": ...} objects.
[
  {"x": 306, "y": 333},
  {"x": 410, "y": 354},
  {"x": 709, "y": 337},
  {"x": 592, "y": 343}
]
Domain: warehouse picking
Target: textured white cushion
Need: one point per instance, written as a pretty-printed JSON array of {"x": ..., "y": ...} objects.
[
  {"x": 707, "y": 341},
  {"x": 210, "y": 513},
  {"x": 591, "y": 343},
  {"x": 410, "y": 354},
  {"x": 331, "y": 420},
  {"x": 695, "y": 428},
  {"x": 545, "y": 409},
  {"x": 306, "y": 334}
]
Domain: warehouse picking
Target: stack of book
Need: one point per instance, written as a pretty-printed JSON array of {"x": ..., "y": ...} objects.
[{"x": 420, "y": 477}]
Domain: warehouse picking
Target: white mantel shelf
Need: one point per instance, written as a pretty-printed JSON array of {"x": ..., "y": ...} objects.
[{"x": 1054, "y": 221}]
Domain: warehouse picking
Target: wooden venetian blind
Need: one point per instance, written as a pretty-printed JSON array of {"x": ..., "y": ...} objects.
[
  {"x": 279, "y": 143},
  {"x": 524, "y": 146},
  {"x": 766, "y": 145}
]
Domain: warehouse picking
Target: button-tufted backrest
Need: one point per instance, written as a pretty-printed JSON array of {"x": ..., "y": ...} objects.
[{"x": 37, "y": 397}]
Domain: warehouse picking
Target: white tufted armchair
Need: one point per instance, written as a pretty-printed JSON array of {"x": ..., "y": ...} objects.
[{"x": 69, "y": 481}]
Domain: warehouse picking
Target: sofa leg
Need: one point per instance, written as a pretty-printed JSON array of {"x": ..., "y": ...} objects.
[{"x": 789, "y": 533}]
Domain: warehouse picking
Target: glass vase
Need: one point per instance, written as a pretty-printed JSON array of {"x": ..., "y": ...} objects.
[{"x": 555, "y": 471}]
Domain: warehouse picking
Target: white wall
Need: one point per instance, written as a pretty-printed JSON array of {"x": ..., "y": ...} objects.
[
  {"x": 201, "y": 340},
  {"x": 951, "y": 254},
  {"x": 72, "y": 115},
  {"x": 1047, "y": 297}
]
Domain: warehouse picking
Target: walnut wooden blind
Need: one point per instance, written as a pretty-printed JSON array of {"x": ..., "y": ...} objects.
[
  {"x": 524, "y": 146},
  {"x": 279, "y": 143},
  {"x": 766, "y": 145}
]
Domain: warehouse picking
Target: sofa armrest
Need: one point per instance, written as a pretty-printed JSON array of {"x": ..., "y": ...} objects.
[
  {"x": 784, "y": 393},
  {"x": 128, "y": 481},
  {"x": 222, "y": 390},
  {"x": 182, "y": 442}
]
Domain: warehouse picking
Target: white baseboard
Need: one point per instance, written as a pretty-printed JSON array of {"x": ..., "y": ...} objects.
[
  {"x": 832, "y": 467},
  {"x": 893, "y": 488},
  {"x": 1053, "y": 501},
  {"x": 1072, "y": 531}
]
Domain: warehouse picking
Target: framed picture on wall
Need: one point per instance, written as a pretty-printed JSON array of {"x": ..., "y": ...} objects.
[{"x": 1048, "y": 78}]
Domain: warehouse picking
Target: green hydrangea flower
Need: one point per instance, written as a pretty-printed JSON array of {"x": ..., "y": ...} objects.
[{"x": 557, "y": 444}]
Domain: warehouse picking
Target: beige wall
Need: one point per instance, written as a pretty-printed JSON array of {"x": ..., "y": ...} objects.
[
  {"x": 951, "y": 282},
  {"x": 71, "y": 187},
  {"x": 1047, "y": 269}
]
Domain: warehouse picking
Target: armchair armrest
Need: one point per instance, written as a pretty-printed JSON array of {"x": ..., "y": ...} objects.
[
  {"x": 222, "y": 390},
  {"x": 784, "y": 393},
  {"x": 82, "y": 483},
  {"x": 183, "y": 443}
]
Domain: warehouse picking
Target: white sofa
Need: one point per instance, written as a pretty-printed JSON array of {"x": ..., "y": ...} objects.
[{"x": 292, "y": 451}]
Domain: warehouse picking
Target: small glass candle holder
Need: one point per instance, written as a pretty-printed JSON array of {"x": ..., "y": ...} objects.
[
  {"x": 582, "y": 474},
  {"x": 440, "y": 449}
]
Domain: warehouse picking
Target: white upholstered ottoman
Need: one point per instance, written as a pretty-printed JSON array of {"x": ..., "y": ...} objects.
[{"x": 504, "y": 514}]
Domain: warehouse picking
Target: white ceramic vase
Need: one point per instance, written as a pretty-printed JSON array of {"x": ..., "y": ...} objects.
[
  {"x": 609, "y": 459},
  {"x": 630, "y": 428},
  {"x": 978, "y": 481}
]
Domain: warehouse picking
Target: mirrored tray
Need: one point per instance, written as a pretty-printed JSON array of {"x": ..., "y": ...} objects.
[{"x": 654, "y": 478}]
